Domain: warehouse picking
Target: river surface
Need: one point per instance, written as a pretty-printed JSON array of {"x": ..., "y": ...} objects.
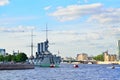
[{"x": 64, "y": 72}]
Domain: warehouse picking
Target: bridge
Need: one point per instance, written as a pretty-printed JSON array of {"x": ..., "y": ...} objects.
[{"x": 81, "y": 61}]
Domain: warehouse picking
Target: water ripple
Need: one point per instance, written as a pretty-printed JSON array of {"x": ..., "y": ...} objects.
[{"x": 65, "y": 72}]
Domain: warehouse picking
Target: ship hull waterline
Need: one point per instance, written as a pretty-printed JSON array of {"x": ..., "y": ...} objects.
[{"x": 46, "y": 65}]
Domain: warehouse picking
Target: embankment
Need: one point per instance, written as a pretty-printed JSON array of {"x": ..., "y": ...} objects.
[{"x": 16, "y": 66}]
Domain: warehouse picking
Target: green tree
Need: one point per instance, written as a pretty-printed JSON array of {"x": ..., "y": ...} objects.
[
  {"x": 13, "y": 58},
  {"x": 99, "y": 57},
  {"x": 1, "y": 58},
  {"x": 21, "y": 57},
  {"x": 8, "y": 58}
]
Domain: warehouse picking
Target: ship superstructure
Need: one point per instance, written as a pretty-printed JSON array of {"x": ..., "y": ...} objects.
[{"x": 44, "y": 57}]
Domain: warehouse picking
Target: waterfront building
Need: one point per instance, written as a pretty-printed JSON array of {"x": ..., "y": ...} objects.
[
  {"x": 109, "y": 57},
  {"x": 118, "y": 49},
  {"x": 113, "y": 57},
  {"x": 68, "y": 58},
  {"x": 2, "y": 52},
  {"x": 15, "y": 53},
  {"x": 106, "y": 56},
  {"x": 82, "y": 57},
  {"x": 90, "y": 58}
]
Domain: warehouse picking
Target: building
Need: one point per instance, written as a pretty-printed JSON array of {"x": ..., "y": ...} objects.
[
  {"x": 109, "y": 57},
  {"x": 106, "y": 56},
  {"x": 15, "y": 53},
  {"x": 118, "y": 49},
  {"x": 68, "y": 59},
  {"x": 2, "y": 52},
  {"x": 82, "y": 57}
]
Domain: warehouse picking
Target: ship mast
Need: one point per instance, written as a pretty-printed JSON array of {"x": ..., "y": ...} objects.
[
  {"x": 32, "y": 43},
  {"x": 46, "y": 42},
  {"x": 46, "y": 33}
]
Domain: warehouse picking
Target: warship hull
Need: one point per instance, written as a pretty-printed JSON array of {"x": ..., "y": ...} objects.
[{"x": 47, "y": 60}]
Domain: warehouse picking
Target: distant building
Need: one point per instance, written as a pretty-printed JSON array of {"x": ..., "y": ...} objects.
[
  {"x": 68, "y": 58},
  {"x": 118, "y": 49},
  {"x": 90, "y": 58},
  {"x": 108, "y": 57},
  {"x": 2, "y": 52},
  {"x": 15, "y": 53},
  {"x": 82, "y": 57}
]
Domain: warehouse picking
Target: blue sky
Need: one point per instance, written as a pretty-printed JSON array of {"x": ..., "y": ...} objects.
[{"x": 76, "y": 26}]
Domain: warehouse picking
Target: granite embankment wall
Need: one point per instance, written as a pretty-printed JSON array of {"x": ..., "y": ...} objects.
[
  {"x": 16, "y": 66},
  {"x": 108, "y": 62}
]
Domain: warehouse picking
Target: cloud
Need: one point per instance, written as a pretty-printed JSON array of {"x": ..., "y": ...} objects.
[
  {"x": 17, "y": 29},
  {"x": 74, "y": 36},
  {"x": 9, "y": 20},
  {"x": 47, "y": 8},
  {"x": 94, "y": 12},
  {"x": 73, "y": 12},
  {"x": 94, "y": 39},
  {"x": 107, "y": 16},
  {"x": 4, "y": 2},
  {"x": 90, "y": 42},
  {"x": 113, "y": 31}
]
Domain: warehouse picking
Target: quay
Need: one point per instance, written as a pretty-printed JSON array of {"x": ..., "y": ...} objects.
[
  {"x": 91, "y": 62},
  {"x": 81, "y": 61},
  {"x": 108, "y": 62},
  {"x": 16, "y": 66}
]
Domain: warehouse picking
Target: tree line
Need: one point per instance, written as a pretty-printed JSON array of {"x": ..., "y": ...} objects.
[
  {"x": 20, "y": 57},
  {"x": 99, "y": 57}
]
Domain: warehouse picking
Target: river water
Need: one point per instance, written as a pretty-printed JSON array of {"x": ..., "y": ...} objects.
[{"x": 64, "y": 72}]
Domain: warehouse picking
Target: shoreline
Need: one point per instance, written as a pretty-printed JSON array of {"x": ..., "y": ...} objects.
[
  {"x": 97, "y": 62},
  {"x": 16, "y": 66}
]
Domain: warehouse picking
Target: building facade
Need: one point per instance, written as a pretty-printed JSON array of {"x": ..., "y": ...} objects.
[
  {"x": 82, "y": 57},
  {"x": 118, "y": 49},
  {"x": 109, "y": 57},
  {"x": 2, "y": 52}
]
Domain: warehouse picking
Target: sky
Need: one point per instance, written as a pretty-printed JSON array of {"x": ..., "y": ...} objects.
[{"x": 74, "y": 26}]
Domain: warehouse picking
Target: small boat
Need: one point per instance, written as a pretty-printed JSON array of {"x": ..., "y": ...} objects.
[
  {"x": 113, "y": 67},
  {"x": 52, "y": 66},
  {"x": 76, "y": 66}
]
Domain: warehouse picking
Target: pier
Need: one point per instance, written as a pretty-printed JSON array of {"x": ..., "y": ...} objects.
[{"x": 16, "y": 66}]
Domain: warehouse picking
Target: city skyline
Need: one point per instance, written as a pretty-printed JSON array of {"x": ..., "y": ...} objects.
[{"x": 74, "y": 26}]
